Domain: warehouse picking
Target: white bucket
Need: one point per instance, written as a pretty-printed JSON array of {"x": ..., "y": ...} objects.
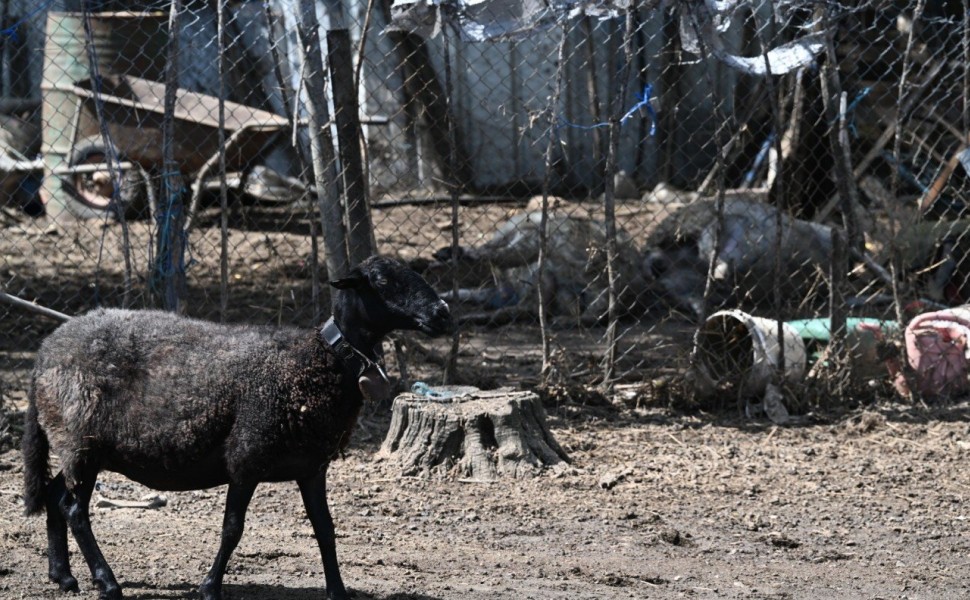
[{"x": 740, "y": 348}]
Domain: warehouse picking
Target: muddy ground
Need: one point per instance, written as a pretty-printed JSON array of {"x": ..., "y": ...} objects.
[{"x": 864, "y": 501}]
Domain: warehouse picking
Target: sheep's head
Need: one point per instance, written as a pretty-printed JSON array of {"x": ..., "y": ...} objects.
[{"x": 382, "y": 295}]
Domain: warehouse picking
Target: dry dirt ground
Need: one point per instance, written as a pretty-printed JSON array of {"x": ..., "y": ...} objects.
[
  {"x": 870, "y": 501},
  {"x": 655, "y": 505}
]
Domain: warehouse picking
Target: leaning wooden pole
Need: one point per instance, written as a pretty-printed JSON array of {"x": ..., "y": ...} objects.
[
  {"x": 321, "y": 143},
  {"x": 302, "y": 154},
  {"x": 111, "y": 158}
]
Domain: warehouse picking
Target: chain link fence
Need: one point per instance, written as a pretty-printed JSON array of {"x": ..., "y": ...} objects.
[{"x": 720, "y": 202}]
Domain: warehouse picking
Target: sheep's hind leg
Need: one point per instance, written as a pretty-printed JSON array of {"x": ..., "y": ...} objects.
[
  {"x": 314, "y": 492},
  {"x": 233, "y": 523},
  {"x": 58, "y": 564},
  {"x": 75, "y": 508}
]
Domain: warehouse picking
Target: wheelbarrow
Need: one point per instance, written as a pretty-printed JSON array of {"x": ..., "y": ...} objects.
[{"x": 132, "y": 111}]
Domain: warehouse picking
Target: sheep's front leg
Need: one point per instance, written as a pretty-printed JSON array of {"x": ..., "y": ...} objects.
[
  {"x": 314, "y": 492},
  {"x": 74, "y": 507},
  {"x": 233, "y": 523}
]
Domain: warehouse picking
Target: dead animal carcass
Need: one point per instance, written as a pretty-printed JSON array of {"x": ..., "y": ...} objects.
[
  {"x": 679, "y": 250},
  {"x": 575, "y": 273}
]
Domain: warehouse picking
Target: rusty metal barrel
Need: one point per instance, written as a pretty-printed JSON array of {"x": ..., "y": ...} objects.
[{"x": 124, "y": 43}]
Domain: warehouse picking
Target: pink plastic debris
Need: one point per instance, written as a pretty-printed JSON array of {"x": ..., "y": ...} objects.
[{"x": 937, "y": 351}]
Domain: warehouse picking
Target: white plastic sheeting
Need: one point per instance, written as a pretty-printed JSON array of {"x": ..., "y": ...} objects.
[{"x": 702, "y": 23}]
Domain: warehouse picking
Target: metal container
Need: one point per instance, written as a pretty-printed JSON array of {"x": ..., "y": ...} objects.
[
  {"x": 742, "y": 348},
  {"x": 124, "y": 43}
]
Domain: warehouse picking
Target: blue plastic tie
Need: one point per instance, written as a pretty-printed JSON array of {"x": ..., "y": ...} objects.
[
  {"x": 904, "y": 172},
  {"x": 851, "y": 108},
  {"x": 855, "y": 101},
  {"x": 11, "y": 32},
  {"x": 421, "y": 388},
  {"x": 643, "y": 101},
  {"x": 759, "y": 159}
]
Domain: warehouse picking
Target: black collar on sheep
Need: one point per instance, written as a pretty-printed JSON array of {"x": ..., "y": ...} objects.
[
  {"x": 357, "y": 361},
  {"x": 371, "y": 378}
]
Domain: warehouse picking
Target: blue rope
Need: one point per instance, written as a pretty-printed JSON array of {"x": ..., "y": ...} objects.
[
  {"x": 850, "y": 109},
  {"x": 759, "y": 159},
  {"x": 165, "y": 219},
  {"x": 904, "y": 172},
  {"x": 11, "y": 32},
  {"x": 855, "y": 101},
  {"x": 643, "y": 101}
]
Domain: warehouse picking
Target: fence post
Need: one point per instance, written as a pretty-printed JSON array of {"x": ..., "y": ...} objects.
[
  {"x": 450, "y": 374},
  {"x": 170, "y": 262},
  {"x": 543, "y": 290},
  {"x": 221, "y": 6},
  {"x": 609, "y": 204},
  {"x": 838, "y": 352}
]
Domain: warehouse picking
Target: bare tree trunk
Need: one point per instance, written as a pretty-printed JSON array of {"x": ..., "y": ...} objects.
[
  {"x": 360, "y": 230},
  {"x": 321, "y": 143},
  {"x": 302, "y": 152}
]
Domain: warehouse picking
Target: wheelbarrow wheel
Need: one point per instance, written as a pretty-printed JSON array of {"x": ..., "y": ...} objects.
[{"x": 93, "y": 193}]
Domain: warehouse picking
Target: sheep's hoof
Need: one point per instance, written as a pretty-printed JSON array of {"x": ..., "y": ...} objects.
[
  {"x": 340, "y": 594},
  {"x": 210, "y": 591},
  {"x": 113, "y": 593},
  {"x": 67, "y": 583}
]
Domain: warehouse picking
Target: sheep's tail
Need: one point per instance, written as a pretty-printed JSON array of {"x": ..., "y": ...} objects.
[{"x": 36, "y": 451}]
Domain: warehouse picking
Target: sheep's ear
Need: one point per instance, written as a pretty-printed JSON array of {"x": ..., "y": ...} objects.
[{"x": 354, "y": 279}]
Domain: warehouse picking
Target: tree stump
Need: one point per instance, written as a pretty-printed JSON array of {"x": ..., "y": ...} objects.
[{"x": 470, "y": 433}]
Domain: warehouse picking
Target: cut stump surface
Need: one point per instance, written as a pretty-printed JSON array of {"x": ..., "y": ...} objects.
[{"x": 475, "y": 434}]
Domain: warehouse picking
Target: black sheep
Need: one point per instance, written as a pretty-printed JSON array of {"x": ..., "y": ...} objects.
[{"x": 181, "y": 404}]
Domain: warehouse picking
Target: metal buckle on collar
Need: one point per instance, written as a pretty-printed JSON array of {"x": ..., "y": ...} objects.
[
  {"x": 352, "y": 357},
  {"x": 345, "y": 352}
]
